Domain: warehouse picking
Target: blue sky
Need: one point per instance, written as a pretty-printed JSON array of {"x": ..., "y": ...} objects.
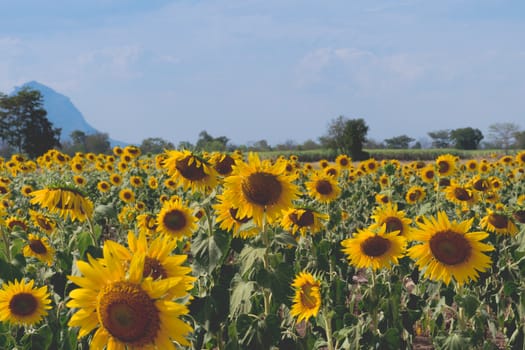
[{"x": 271, "y": 69}]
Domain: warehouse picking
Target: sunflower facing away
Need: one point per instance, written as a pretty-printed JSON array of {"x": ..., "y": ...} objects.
[
  {"x": 322, "y": 187},
  {"x": 22, "y": 304},
  {"x": 39, "y": 248},
  {"x": 126, "y": 309},
  {"x": 190, "y": 170},
  {"x": 374, "y": 248},
  {"x": 307, "y": 298},
  {"x": 175, "y": 219},
  {"x": 448, "y": 251},
  {"x": 303, "y": 220},
  {"x": 65, "y": 201},
  {"x": 260, "y": 187}
]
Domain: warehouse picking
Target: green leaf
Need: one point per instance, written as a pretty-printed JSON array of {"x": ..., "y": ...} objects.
[
  {"x": 240, "y": 301},
  {"x": 209, "y": 251},
  {"x": 248, "y": 257},
  {"x": 285, "y": 239}
]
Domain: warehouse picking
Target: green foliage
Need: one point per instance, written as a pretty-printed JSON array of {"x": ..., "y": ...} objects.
[
  {"x": 347, "y": 136},
  {"x": 155, "y": 145},
  {"x": 399, "y": 142},
  {"x": 81, "y": 142},
  {"x": 466, "y": 138}
]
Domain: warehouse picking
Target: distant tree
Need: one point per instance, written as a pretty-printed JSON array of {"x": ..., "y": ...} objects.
[
  {"x": 155, "y": 145},
  {"x": 502, "y": 135},
  {"x": 399, "y": 142},
  {"x": 206, "y": 142},
  {"x": 82, "y": 142},
  {"x": 373, "y": 144},
  {"x": 347, "y": 136},
  {"x": 260, "y": 146},
  {"x": 186, "y": 145},
  {"x": 24, "y": 124},
  {"x": 417, "y": 145},
  {"x": 309, "y": 145},
  {"x": 519, "y": 136},
  {"x": 466, "y": 138},
  {"x": 440, "y": 138},
  {"x": 288, "y": 145}
]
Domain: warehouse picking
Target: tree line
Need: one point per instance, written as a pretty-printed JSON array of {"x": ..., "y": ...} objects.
[{"x": 25, "y": 128}]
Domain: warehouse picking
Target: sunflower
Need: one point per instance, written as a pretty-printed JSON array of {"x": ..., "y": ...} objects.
[
  {"x": 159, "y": 263},
  {"x": 520, "y": 158},
  {"x": 303, "y": 220},
  {"x": 446, "y": 164},
  {"x": 323, "y": 188},
  {"x": 226, "y": 216},
  {"x": 374, "y": 248},
  {"x": 153, "y": 183},
  {"x": 115, "y": 179},
  {"x": 147, "y": 223},
  {"x": 222, "y": 163},
  {"x": 384, "y": 181},
  {"x": 448, "y": 251},
  {"x": 22, "y": 304},
  {"x": 460, "y": 194},
  {"x": 307, "y": 298},
  {"x": 343, "y": 161},
  {"x": 190, "y": 170},
  {"x": 43, "y": 222},
  {"x": 260, "y": 187},
  {"x": 370, "y": 166},
  {"x": 136, "y": 181},
  {"x": 103, "y": 186},
  {"x": 175, "y": 219},
  {"x": 126, "y": 195},
  {"x": 323, "y": 163},
  {"x": 415, "y": 194},
  {"x": 14, "y": 222},
  {"x": 127, "y": 309},
  {"x": 79, "y": 180},
  {"x": 472, "y": 165},
  {"x": 480, "y": 183},
  {"x": 498, "y": 222},
  {"x": 26, "y": 190},
  {"x": 428, "y": 173},
  {"x": 64, "y": 200},
  {"x": 394, "y": 219},
  {"x": 519, "y": 215},
  {"x": 4, "y": 190},
  {"x": 39, "y": 248},
  {"x": 382, "y": 198}
]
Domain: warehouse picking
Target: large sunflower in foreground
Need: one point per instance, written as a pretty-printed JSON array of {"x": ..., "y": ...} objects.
[
  {"x": 190, "y": 170},
  {"x": 374, "y": 248},
  {"x": 65, "y": 201},
  {"x": 322, "y": 187},
  {"x": 259, "y": 187},
  {"x": 448, "y": 251},
  {"x": 175, "y": 219},
  {"x": 126, "y": 309},
  {"x": 498, "y": 222},
  {"x": 307, "y": 298},
  {"x": 22, "y": 304},
  {"x": 159, "y": 262}
]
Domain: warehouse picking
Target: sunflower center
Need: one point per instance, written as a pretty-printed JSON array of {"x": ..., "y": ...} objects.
[
  {"x": 443, "y": 167},
  {"x": 304, "y": 220},
  {"x": 462, "y": 194},
  {"x": 450, "y": 248},
  {"x": 331, "y": 172},
  {"x": 393, "y": 224},
  {"x": 224, "y": 167},
  {"x": 481, "y": 185},
  {"x": 128, "y": 313},
  {"x": 44, "y": 223},
  {"x": 323, "y": 187},
  {"x": 308, "y": 299},
  {"x": 174, "y": 220},
  {"x": 375, "y": 246},
  {"x": 153, "y": 268},
  {"x": 262, "y": 188},
  {"x": 498, "y": 220},
  {"x": 23, "y": 304},
  {"x": 233, "y": 214},
  {"x": 37, "y": 246},
  {"x": 343, "y": 162},
  {"x": 189, "y": 169}
]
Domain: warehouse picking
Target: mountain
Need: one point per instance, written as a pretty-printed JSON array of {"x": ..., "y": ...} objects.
[{"x": 62, "y": 112}]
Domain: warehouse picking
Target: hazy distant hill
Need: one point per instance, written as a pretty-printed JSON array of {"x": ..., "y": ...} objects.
[{"x": 62, "y": 112}]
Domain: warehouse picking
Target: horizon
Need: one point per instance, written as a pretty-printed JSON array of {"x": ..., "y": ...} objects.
[{"x": 271, "y": 70}]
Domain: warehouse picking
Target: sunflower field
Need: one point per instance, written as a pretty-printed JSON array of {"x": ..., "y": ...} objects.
[{"x": 184, "y": 250}]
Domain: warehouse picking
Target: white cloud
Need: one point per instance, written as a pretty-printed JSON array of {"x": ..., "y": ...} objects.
[{"x": 115, "y": 61}]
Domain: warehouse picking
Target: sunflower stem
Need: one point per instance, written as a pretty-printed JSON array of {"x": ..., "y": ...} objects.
[
  {"x": 267, "y": 293},
  {"x": 92, "y": 232},
  {"x": 328, "y": 328}
]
